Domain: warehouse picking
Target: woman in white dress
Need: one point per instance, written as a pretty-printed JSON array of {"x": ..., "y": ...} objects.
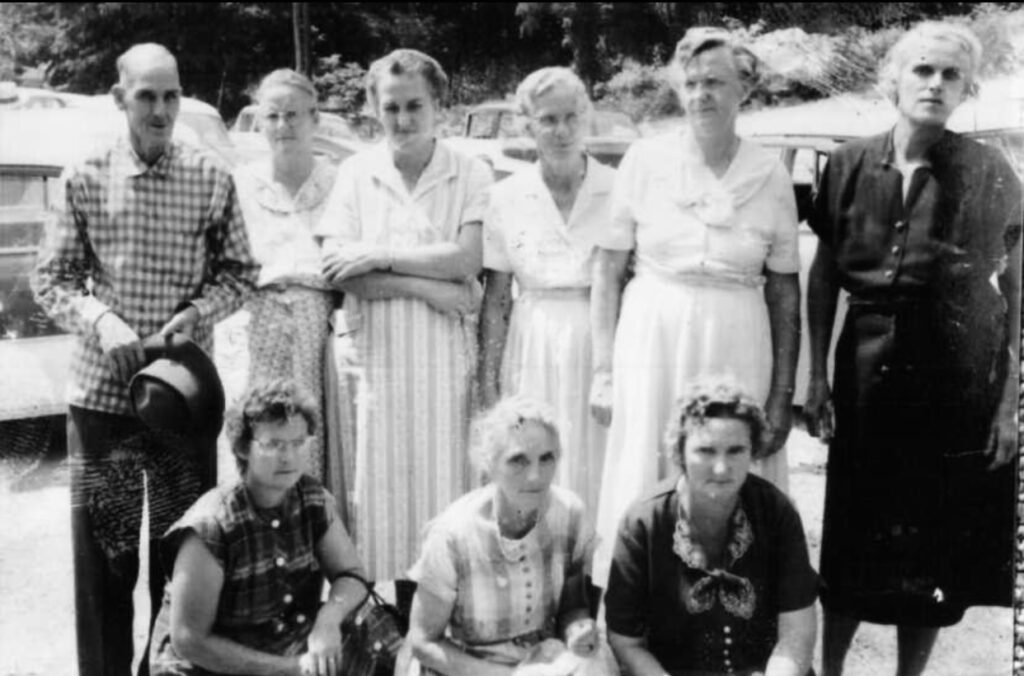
[
  {"x": 403, "y": 243},
  {"x": 541, "y": 229},
  {"x": 712, "y": 220},
  {"x": 283, "y": 199}
]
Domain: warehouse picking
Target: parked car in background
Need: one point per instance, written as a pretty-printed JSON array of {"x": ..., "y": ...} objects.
[
  {"x": 335, "y": 138},
  {"x": 496, "y": 129},
  {"x": 805, "y": 135},
  {"x": 13, "y": 96}
]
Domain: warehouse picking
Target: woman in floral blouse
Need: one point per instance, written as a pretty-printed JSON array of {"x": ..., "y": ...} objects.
[{"x": 710, "y": 573}]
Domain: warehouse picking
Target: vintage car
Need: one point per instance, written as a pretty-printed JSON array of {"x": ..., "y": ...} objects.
[{"x": 495, "y": 129}]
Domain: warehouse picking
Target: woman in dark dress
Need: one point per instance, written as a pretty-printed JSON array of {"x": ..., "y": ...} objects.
[
  {"x": 920, "y": 227},
  {"x": 710, "y": 574}
]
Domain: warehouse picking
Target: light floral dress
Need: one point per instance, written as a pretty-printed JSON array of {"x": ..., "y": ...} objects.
[
  {"x": 405, "y": 369},
  {"x": 548, "y": 349},
  {"x": 290, "y": 311},
  {"x": 696, "y": 306}
]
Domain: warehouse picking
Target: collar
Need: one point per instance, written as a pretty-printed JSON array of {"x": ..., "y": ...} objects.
[
  {"x": 442, "y": 167},
  {"x": 272, "y": 196},
  {"x": 126, "y": 161},
  {"x": 883, "y": 147}
]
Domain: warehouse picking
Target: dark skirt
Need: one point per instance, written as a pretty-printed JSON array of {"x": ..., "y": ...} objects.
[{"x": 916, "y": 529}]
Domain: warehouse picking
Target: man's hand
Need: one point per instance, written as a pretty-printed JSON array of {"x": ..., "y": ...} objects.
[
  {"x": 352, "y": 260},
  {"x": 121, "y": 346},
  {"x": 184, "y": 322},
  {"x": 601, "y": 397}
]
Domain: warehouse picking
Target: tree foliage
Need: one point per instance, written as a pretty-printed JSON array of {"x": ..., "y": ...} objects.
[{"x": 617, "y": 47}]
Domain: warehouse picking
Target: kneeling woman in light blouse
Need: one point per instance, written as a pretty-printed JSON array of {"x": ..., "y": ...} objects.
[
  {"x": 710, "y": 573},
  {"x": 502, "y": 568}
]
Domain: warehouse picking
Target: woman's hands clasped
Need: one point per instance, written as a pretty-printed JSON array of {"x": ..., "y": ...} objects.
[{"x": 352, "y": 260}]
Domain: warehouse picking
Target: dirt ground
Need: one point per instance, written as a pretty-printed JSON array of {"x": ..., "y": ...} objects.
[{"x": 37, "y": 634}]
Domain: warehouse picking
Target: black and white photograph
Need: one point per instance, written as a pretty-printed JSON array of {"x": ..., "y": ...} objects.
[{"x": 511, "y": 339}]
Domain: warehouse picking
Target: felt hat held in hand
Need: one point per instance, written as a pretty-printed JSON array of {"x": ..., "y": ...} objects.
[{"x": 179, "y": 389}]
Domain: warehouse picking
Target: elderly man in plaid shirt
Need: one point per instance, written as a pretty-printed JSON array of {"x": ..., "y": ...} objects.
[{"x": 151, "y": 240}]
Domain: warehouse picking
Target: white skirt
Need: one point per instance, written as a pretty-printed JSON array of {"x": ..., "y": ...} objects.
[{"x": 670, "y": 334}]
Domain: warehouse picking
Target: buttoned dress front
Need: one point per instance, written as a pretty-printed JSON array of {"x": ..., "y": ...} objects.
[
  {"x": 696, "y": 306},
  {"x": 406, "y": 368},
  {"x": 505, "y": 593},
  {"x": 916, "y": 527},
  {"x": 548, "y": 349},
  {"x": 290, "y": 311},
  {"x": 273, "y": 581}
]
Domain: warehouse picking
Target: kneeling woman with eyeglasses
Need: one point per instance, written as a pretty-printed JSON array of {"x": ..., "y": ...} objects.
[
  {"x": 710, "y": 573},
  {"x": 501, "y": 574},
  {"x": 250, "y": 559}
]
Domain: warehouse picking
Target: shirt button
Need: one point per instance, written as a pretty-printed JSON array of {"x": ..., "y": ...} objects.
[
  {"x": 275, "y": 523},
  {"x": 884, "y": 368},
  {"x": 889, "y": 274},
  {"x": 896, "y": 250},
  {"x": 529, "y": 609},
  {"x": 728, "y": 641},
  {"x": 279, "y": 627},
  {"x": 900, "y": 225},
  {"x": 727, "y": 629},
  {"x": 300, "y": 618},
  {"x": 279, "y": 561},
  {"x": 287, "y": 598}
]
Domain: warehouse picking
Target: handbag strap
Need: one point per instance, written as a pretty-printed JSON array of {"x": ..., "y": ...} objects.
[{"x": 378, "y": 600}]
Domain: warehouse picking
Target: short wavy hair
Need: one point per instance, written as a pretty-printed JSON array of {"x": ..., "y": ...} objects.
[
  {"x": 269, "y": 401},
  {"x": 942, "y": 31},
  {"x": 407, "y": 62},
  {"x": 495, "y": 429},
  {"x": 542, "y": 81},
  {"x": 715, "y": 398},
  {"x": 286, "y": 77},
  {"x": 701, "y": 39}
]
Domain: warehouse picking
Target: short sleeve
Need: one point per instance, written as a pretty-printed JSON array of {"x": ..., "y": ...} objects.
[
  {"x": 495, "y": 250},
  {"x": 798, "y": 583},
  {"x": 340, "y": 219},
  {"x": 784, "y": 254},
  {"x": 325, "y": 514},
  {"x": 477, "y": 194},
  {"x": 626, "y": 598},
  {"x": 201, "y": 519},
  {"x": 621, "y": 232},
  {"x": 435, "y": 569}
]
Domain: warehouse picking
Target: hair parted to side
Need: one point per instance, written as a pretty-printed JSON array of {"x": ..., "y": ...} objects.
[
  {"x": 542, "y": 81},
  {"x": 268, "y": 401},
  {"x": 496, "y": 429},
  {"x": 407, "y": 62},
  {"x": 701, "y": 39},
  {"x": 286, "y": 77},
  {"x": 141, "y": 52},
  {"x": 941, "y": 31},
  {"x": 715, "y": 398}
]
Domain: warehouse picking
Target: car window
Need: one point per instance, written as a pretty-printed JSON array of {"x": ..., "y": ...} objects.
[
  {"x": 209, "y": 129},
  {"x": 20, "y": 191},
  {"x": 614, "y": 124}
]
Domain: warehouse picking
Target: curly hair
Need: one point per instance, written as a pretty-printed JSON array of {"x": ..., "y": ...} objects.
[
  {"x": 540, "y": 82},
  {"x": 941, "y": 31},
  {"x": 715, "y": 398},
  {"x": 495, "y": 429},
  {"x": 269, "y": 401},
  {"x": 701, "y": 39},
  {"x": 406, "y": 62}
]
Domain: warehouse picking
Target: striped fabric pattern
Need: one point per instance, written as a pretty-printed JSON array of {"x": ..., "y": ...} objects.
[
  {"x": 141, "y": 241},
  {"x": 409, "y": 375}
]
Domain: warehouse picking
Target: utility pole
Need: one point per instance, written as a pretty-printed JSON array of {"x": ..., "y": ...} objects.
[{"x": 300, "y": 35}]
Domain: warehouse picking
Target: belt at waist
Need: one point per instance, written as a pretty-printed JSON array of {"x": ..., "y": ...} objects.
[
  {"x": 557, "y": 292},
  {"x": 706, "y": 275}
]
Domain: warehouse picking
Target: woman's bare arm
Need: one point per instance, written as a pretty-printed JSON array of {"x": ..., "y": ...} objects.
[
  {"x": 633, "y": 655},
  {"x": 608, "y": 274},
  {"x": 795, "y": 647},
  {"x": 494, "y": 319},
  {"x": 429, "y": 618},
  {"x": 195, "y": 592}
]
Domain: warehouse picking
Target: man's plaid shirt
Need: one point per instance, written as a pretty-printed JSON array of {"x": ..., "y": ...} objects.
[{"x": 141, "y": 241}]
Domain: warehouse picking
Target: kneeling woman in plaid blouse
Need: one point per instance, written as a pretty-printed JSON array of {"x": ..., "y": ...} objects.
[
  {"x": 501, "y": 575},
  {"x": 250, "y": 558}
]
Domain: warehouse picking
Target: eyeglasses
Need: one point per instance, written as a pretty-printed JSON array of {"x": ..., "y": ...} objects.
[{"x": 279, "y": 446}]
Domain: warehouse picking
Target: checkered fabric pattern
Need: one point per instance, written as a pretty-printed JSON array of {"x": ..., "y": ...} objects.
[{"x": 141, "y": 241}]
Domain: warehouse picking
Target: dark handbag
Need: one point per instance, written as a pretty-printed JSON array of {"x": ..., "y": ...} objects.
[{"x": 372, "y": 635}]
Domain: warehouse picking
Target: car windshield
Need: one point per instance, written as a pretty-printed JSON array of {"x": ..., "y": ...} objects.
[
  {"x": 209, "y": 129},
  {"x": 496, "y": 124},
  {"x": 614, "y": 124}
]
